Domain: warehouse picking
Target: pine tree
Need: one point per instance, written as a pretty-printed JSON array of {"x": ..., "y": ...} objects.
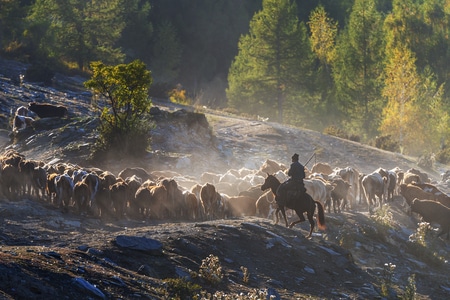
[
  {"x": 358, "y": 65},
  {"x": 78, "y": 31},
  {"x": 273, "y": 60}
]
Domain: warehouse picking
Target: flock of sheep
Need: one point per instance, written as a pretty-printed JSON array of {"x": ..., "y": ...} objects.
[{"x": 136, "y": 193}]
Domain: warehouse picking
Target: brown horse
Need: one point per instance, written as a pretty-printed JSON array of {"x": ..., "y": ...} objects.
[{"x": 300, "y": 204}]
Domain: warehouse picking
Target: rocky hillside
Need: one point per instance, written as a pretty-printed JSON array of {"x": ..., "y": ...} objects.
[{"x": 46, "y": 253}]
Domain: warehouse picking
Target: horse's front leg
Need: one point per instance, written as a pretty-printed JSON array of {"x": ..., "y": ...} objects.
[
  {"x": 277, "y": 215},
  {"x": 284, "y": 215}
]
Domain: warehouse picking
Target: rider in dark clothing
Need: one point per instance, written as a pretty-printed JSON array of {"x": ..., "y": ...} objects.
[
  {"x": 297, "y": 174},
  {"x": 296, "y": 170},
  {"x": 295, "y": 182}
]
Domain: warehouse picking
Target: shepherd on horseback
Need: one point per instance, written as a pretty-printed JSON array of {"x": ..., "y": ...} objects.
[
  {"x": 293, "y": 187},
  {"x": 292, "y": 194}
]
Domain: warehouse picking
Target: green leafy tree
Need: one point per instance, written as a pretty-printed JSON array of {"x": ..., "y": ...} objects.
[
  {"x": 77, "y": 31},
  {"x": 273, "y": 63},
  {"x": 124, "y": 89}
]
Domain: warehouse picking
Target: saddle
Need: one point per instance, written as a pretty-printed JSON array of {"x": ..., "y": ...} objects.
[{"x": 291, "y": 191}]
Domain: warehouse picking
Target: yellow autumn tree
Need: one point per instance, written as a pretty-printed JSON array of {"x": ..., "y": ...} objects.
[
  {"x": 401, "y": 91},
  {"x": 414, "y": 114}
]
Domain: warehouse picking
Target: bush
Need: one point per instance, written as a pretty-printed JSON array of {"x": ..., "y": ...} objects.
[
  {"x": 354, "y": 138},
  {"x": 335, "y": 131},
  {"x": 426, "y": 161},
  {"x": 178, "y": 95},
  {"x": 231, "y": 110},
  {"x": 211, "y": 270},
  {"x": 386, "y": 142},
  {"x": 123, "y": 120},
  {"x": 116, "y": 143},
  {"x": 423, "y": 243},
  {"x": 443, "y": 156},
  {"x": 181, "y": 289}
]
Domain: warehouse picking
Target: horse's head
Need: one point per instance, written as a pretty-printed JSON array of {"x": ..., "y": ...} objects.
[{"x": 271, "y": 182}]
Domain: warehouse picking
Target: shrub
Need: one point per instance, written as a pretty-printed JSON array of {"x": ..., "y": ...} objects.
[
  {"x": 383, "y": 216},
  {"x": 386, "y": 280},
  {"x": 386, "y": 142},
  {"x": 231, "y": 110},
  {"x": 426, "y": 161},
  {"x": 178, "y": 288},
  {"x": 123, "y": 125},
  {"x": 422, "y": 244},
  {"x": 211, "y": 270},
  {"x": 354, "y": 138},
  {"x": 410, "y": 291},
  {"x": 245, "y": 274},
  {"x": 443, "y": 156},
  {"x": 178, "y": 95},
  {"x": 335, "y": 131}
]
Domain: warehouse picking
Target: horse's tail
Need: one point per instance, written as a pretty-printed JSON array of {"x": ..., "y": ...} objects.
[{"x": 321, "y": 215}]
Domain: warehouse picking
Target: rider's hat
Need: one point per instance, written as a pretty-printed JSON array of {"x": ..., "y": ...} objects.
[{"x": 295, "y": 156}]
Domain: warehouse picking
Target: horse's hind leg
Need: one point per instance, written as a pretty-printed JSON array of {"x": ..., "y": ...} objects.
[
  {"x": 300, "y": 215},
  {"x": 311, "y": 223}
]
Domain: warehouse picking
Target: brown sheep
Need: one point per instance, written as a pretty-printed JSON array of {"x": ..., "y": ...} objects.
[
  {"x": 322, "y": 168},
  {"x": 92, "y": 181},
  {"x": 26, "y": 168},
  {"x": 209, "y": 200},
  {"x": 81, "y": 197},
  {"x": 11, "y": 181},
  {"x": 410, "y": 192},
  {"x": 239, "y": 206},
  {"x": 51, "y": 187},
  {"x": 149, "y": 201},
  {"x": 433, "y": 212},
  {"x": 193, "y": 210},
  {"x": 39, "y": 181},
  {"x": 438, "y": 194},
  {"x": 338, "y": 195},
  {"x": 201, "y": 213},
  {"x": 64, "y": 191},
  {"x": 119, "y": 197}
]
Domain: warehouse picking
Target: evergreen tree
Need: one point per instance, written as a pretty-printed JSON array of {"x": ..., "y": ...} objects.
[
  {"x": 323, "y": 32},
  {"x": 136, "y": 37},
  {"x": 166, "y": 53},
  {"x": 78, "y": 31},
  {"x": 12, "y": 13},
  {"x": 358, "y": 65},
  {"x": 273, "y": 62}
]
